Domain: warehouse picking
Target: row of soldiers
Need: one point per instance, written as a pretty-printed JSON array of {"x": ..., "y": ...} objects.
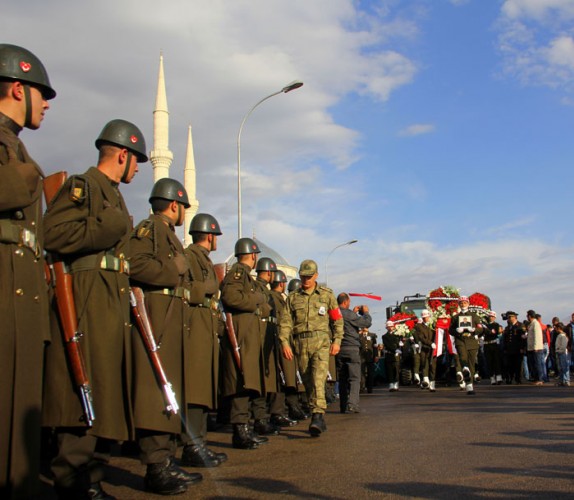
[
  {"x": 251, "y": 360},
  {"x": 467, "y": 334}
]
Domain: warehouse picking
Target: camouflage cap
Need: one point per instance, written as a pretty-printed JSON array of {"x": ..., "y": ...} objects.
[{"x": 308, "y": 268}]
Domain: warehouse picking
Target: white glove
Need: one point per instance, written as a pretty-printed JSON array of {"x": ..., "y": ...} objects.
[
  {"x": 433, "y": 345},
  {"x": 498, "y": 341},
  {"x": 416, "y": 346},
  {"x": 401, "y": 344},
  {"x": 471, "y": 329},
  {"x": 398, "y": 352},
  {"x": 460, "y": 330},
  {"x": 476, "y": 337}
]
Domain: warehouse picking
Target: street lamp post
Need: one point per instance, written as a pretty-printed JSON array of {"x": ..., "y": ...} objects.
[
  {"x": 327, "y": 259},
  {"x": 295, "y": 84}
]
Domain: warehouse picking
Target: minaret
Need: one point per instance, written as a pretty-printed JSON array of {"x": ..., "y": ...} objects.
[
  {"x": 189, "y": 184},
  {"x": 160, "y": 156}
]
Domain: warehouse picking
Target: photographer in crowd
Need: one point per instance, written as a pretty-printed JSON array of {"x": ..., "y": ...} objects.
[{"x": 349, "y": 357}]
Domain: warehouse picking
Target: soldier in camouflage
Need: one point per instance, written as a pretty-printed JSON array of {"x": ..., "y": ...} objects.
[{"x": 312, "y": 314}]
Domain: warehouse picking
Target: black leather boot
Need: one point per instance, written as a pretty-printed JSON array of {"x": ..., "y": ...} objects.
[
  {"x": 222, "y": 457},
  {"x": 159, "y": 479},
  {"x": 317, "y": 425},
  {"x": 283, "y": 421},
  {"x": 94, "y": 492},
  {"x": 188, "y": 477},
  {"x": 264, "y": 428},
  {"x": 198, "y": 456},
  {"x": 296, "y": 413},
  {"x": 242, "y": 438}
]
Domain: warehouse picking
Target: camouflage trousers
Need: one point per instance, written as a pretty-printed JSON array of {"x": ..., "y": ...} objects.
[{"x": 313, "y": 358}]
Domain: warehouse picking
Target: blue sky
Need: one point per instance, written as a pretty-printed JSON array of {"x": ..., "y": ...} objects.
[{"x": 436, "y": 132}]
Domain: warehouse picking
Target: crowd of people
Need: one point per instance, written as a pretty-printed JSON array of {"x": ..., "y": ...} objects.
[
  {"x": 88, "y": 300},
  {"x": 527, "y": 351}
]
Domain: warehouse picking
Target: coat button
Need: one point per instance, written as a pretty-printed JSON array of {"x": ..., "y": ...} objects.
[
  {"x": 19, "y": 292},
  {"x": 19, "y": 252},
  {"x": 37, "y": 298}
]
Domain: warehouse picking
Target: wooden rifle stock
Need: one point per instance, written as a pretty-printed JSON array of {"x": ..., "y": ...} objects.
[
  {"x": 220, "y": 273},
  {"x": 143, "y": 323},
  {"x": 61, "y": 279}
]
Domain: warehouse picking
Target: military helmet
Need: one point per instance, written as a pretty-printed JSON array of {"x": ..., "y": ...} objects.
[
  {"x": 125, "y": 135},
  {"x": 169, "y": 189},
  {"x": 279, "y": 277},
  {"x": 245, "y": 246},
  {"x": 204, "y": 223},
  {"x": 266, "y": 264},
  {"x": 19, "y": 64},
  {"x": 294, "y": 285}
]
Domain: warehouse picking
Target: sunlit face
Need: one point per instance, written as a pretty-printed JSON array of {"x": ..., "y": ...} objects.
[
  {"x": 39, "y": 108},
  {"x": 133, "y": 169},
  {"x": 464, "y": 304},
  {"x": 309, "y": 282}
]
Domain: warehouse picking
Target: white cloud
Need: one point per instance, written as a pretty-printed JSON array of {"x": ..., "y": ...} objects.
[
  {"x": 536, "y": 40},
  {"x": 417, "y": 129}
]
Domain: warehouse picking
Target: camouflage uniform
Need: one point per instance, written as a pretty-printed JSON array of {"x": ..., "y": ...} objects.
[{"x": 310, "y": 316}]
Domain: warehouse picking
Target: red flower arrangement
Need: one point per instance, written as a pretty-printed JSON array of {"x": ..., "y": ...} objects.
[
  {"x": 443, "y": 300},
  {"x": 479, "y": 303},
  {"x": 409, "y": 320}
]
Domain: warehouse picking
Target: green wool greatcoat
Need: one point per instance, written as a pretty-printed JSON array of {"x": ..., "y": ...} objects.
[
  {"x": 247, "y": 306},
  {"x": 205, "y": 327},
  {"x": 269, "y": 336},
  {"x": 289, "y": 367},
  {"x": 86, "y": 221},
  {"x": 153, "y": 247},
  {"x": 24, "y": 316}
]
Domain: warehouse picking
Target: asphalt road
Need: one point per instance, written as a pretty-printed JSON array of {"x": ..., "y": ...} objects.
[{"x": 504, "y": 442}]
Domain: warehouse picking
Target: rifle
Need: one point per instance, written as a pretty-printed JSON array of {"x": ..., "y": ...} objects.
[
  {"x": 220, "y": 273},
  {"x": 144, "y": 327},
  {"x": 61, "y": 280}
]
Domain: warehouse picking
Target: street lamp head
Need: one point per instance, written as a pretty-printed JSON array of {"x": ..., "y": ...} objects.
[
  {"x": 295, "y": 84},
  {"x": 351, "y": 242}
]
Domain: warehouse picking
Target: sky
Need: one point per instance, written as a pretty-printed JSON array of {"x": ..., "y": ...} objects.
[{"x": 438, "y": 133}]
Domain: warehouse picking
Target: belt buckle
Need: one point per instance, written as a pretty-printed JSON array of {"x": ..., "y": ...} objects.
[{"x": 28, "y": 239}]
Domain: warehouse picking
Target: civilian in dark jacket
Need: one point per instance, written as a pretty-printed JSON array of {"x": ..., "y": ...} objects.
[{"x": 349, "y": 357}]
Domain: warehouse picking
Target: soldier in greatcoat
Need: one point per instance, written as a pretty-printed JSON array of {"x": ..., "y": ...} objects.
[
  {"x": 287, "y": 395},
  {"x": 205, "y": 328},
  {"x": 158, "y": 265},
  {"x": 247, "y": 306},
  {"x": 24, "y": 93},
  {"x": 88, "y": 224}
]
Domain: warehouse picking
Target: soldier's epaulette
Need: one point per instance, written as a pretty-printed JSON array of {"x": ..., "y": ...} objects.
[
  {"x": 327, "y": 289},
  {"x": 144, "y": 229},
  {"x": 78, "y": 189},
  {"x": 238, "y": 273}
]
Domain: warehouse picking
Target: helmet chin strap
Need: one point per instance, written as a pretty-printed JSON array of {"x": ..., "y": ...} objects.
[
  {"x": 124, "y": 178},
  {"x": 28, "y": 101}
]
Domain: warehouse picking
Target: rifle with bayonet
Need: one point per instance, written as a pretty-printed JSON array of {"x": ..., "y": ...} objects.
[
  {"x": 61, "y": 280},
  {"x": 220, "y": 273},
  {"x": 144, "y": 327}
]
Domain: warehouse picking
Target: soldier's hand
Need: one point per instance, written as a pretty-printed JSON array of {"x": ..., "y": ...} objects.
[
  {"x": 365, "y": 309},
  {"x": 113, "y": 218},
  {"x": 334, "y": 350},
  {"x": 460, "y": 330},
  {"x": 211, "y": 287},
  {"x": 287, "y": 352},
  {"x": 180, "y": 263},
  {"x": 433, "y": 346}
]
